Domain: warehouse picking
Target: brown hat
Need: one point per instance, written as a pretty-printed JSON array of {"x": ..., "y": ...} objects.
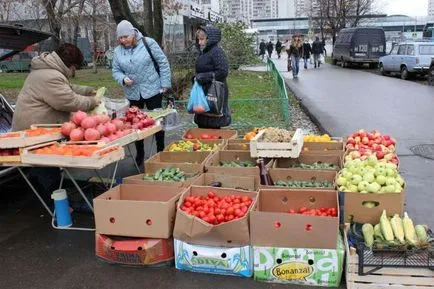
[{"x": 70, "y": 55}]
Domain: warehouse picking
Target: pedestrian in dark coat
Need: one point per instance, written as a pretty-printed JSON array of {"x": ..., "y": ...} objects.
[
  {"x": 262, "y": 47},
  {"x": 270, "y": 48},
  {"x": 211, "y": 63},
  {"x": 317, "y": 50},
  {"x": 278, "y": 48},
  {"x": 307, "y": 50}
]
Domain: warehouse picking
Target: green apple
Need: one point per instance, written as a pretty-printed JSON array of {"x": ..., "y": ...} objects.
[
  {"x": 381, "y": 179},
  {"x": 374, "y": 187},
  {"x": 357, "y": 162},
  {"x": 391, "y": 181},
  {"x": 364, "y": 192},
  {"x": 369, "y": 177},
  {"x": 343, "y": 171},
  {"x": 390, "y": 172},
  {"x": 400, "y": 180},
  {"x": 391, "y": 166},
  {"x": 381, "y": 165},
  {"x": 372, "y": 160},
  {"x": 362, "y": 186},
  {"x": 362, "y": 171},
  {"x": 354, "y": 170},
  {"x": 379, "y": 171},
  {"x": 356, "y": 179},
  {"x": 390, "y": 189},
  {"x": 341, "y": 181},
  {"x": 348, "y": 158},
  {"x": 352, "y": 188},
  {"x": 398, "y": 188},
  {"x": 347, "y": 175},
  {"x": 342, "y": 189}
]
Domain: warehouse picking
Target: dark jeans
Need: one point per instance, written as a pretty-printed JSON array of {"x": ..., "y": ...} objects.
[{"x": 151, "y": 103}]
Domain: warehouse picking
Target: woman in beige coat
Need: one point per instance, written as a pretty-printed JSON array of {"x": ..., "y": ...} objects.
[{"x": 47, "y": 95}]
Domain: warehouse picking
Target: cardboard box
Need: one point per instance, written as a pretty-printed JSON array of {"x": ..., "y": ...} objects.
[
  {"x": 151, "y": 169},
  {"x": 193, "y": 169},
  {"x": 237, "y": 145},
  {"x": 308, "y": 159},
  {"x": 301, "y": 175},
  {"x": 236, "y": 261},
  {"x": 196, "y": 159},
  {"x": 220, "y": 143},
  {"x": 248, "y": 183},
  {"x": 313, "y": 267},
  {"x": 137, "y": 211},
  {"x": 193, "y": 230},
  {"x": 352, "y": 206},
  {"x": 134, "y": 251},
  {"x": 339, "y": 145},
  {"x": 272, "y": 226},
  {"x": 212, "y": 165},
  {"x": 221, "y": 133}
]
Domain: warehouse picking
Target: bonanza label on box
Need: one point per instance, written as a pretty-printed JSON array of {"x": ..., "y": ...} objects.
[
  {"x": 215, "y": 260},
  {"x": 314, "y": 267}
]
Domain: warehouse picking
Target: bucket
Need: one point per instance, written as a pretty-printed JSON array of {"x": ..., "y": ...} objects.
[{"x": 61, "y": 208}]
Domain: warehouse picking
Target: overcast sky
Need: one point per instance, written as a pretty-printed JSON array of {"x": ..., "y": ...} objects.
[{"x": 406, "y": 7}]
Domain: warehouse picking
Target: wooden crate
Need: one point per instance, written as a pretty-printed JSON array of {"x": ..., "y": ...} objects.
[
  {"x": 276, "y": 150},
  {"x": 126, "y": 139},
  {"x": 221, "y": 133},
  {"x": 211, "y": 142},
  {"x": 337, "y": 145},
  {"x": 237, "y": 145},
  {"x": 21, "y": 140},
  {"x": 147, "y": 132},
  {"x": 390, "y": 278},
  {"x": 99, "y": 159},
  {"x": 10, "y": 158}
]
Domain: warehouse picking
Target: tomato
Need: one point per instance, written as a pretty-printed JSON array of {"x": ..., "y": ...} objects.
[
  {"x": 238, "y": 213},
  {"x": 236, "y": 206},
  {"x": 206, "y": 219},
  {"x": 220, "y": 218},
  {"x": 245, "y": 199},
  {"x": 206, "y": 209},
  {"x": 205, "y": 136},
  {"x": 291, "y": 211},
  {"x": 216, "y": 199},
  {"x": 217, "y": 211},
  {"x": 215, "y": 137},
  {"x": 229, "y": 218},
  {"x": 211, "y": 194},
  {"x": 196, "y": 146},
  {"x": 244, "y": 209},
  {"x": 237, "y": 201},
  {"x": 202, "y": 214},
  {"x": 187, "y": 204},
  {"x": 302, "y": 210},
  {"x": 230, "y": 211}
]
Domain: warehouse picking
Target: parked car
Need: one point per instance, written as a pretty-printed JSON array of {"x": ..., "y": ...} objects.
[
  {"x": 19, "y": 62},
  {"x": 408, "y": 59},
  {"x": 359, "y": 46}
]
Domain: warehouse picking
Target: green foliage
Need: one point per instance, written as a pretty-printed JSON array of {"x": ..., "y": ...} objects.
[{"x": 238, "y": 45}]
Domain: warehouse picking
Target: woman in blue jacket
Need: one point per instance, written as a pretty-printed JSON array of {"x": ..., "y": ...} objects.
[{"x": 135, "y": 70}]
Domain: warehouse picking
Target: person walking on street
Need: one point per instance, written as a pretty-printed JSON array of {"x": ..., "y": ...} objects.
[
  {"x": 307, "y": 50},
  {"x": 278, "y": 48},
  {"x": 211, "y": 64},
  {"x": 142, "y": 68},
  {"x": 323, "y": 47},
  {"x": 295, "y": 51},
  {"x": 262, "y": 47},
  {"x": 317, "y": 50},
  {"x": 270, "y": 48}
]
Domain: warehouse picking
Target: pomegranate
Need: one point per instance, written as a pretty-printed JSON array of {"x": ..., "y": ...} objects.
[
  {"x": 67, "y": 127},
  {"x": 113, "y": 137},
  {"x": 105, "y": 139},
  {"x": 101, "y": 129},
  {"x": 91, "y": 134},
  {"x": 88, "y": 122},
  {"x": 76, "y": 134},
  {"x": 118, "y": 123},
  {"x": 78, "y": 116},
  {"x": 110, "y": 127}
]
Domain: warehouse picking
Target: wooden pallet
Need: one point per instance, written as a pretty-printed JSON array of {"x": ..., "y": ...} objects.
[
  {"x": 390, "y": 278},
  {"x": 276, "y": 150},
  {"x": 100, "y": 158},
  {"x": 21, "y": 140}
]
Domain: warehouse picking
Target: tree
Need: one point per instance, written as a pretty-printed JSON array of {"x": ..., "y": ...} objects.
[{"x": 5, "y": 10}]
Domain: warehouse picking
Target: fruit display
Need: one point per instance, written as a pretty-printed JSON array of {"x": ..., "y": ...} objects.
[
  {"x": 92, "y": 128},
  {"x": 167, "y": 174},
  {"x": 70, "y": 150},
  {"x": 251, "y": 134},
  {"x": 237, "y": 164},
  {"x": 273, "y": 134},
  {"x": 203, "y": 136},
  {"x": 321, "y": 212},
  {"x": 304, "y": 184},
  {"x": 318, "y": 138},
  {"x": 137, "y": 119},
  {"x": 395, "y": 232},
  {"x": 373, "y": 140},
  {"x": 9, "y": 152},
  {"x": 214, "y": 209},
  {"x": 190, "y": 146},
  {"x": 370, "y": 176},
  {"x": 315, "y": 166},
  {"x": 364, "y": 154}
]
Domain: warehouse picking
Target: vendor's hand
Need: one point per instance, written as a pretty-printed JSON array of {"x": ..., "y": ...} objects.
[{"x": 128, "y": 81}]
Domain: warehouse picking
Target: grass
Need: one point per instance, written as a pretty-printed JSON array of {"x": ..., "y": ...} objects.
[{"x": 253, "y": 98}]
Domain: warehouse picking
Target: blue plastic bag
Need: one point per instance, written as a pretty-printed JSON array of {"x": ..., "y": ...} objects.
[{"x": 197, "y": 102}]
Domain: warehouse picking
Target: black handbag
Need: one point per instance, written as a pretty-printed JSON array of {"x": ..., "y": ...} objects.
[{"x": 216, "y": 97}]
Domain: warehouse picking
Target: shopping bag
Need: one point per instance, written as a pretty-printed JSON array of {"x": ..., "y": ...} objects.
[
  {"x": 197, "y": 102},
  {"x": 215, "y": 98}
]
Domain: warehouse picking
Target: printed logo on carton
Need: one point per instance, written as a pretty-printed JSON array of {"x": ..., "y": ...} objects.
[
  {"x": 209, "y": 261},
  {"x": 293, "y": 271}
]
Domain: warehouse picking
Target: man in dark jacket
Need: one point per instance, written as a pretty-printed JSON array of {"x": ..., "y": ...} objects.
[
  {"x": 278, "y": 48},
  {"x": 262, "y": 47},
  {"x": 270, "y": 48},
  {"x": 317, "y": 50},
  {"x": 211, "y": 64},
  {"x": 307, "y": 50}
]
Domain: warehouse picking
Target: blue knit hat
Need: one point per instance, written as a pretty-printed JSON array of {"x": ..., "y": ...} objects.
[{"x": 125, "y": 28}]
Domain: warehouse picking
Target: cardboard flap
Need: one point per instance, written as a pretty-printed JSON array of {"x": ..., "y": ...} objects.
[
  {"x": 308, "y": 159},
  {"x": 248, "y": 183},
  {"x": 302, "y": 175}
]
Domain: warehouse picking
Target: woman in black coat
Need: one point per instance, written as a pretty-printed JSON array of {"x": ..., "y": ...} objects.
[{"x": 211, "y": 63}]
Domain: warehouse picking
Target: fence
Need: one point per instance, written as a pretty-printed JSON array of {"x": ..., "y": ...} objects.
[{"x": 253, "y": 112}]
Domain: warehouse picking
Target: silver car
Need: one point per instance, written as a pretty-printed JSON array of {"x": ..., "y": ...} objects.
[{"x": 407, "y": 59}]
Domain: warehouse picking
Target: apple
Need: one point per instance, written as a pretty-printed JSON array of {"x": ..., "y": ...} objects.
[
  {"x": 362, "y": 186},
  {"x": 341, "y": 181},
  {"x": 379, "y": 155},
  {"x": 381, "y": 179},
  {"x": 365, "y": 140},
  {"x": 390, "y": 172},
  {"x": 379, "y": 171},
  {"x": 390, "y": 189},
  {"x": 372, "y": 160},
  {"x": 369, "y": 177},
  {"x": 356, "y": 179},
  {"x": 352, "y": 188},
  {"x": 374, "y": 187}
]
